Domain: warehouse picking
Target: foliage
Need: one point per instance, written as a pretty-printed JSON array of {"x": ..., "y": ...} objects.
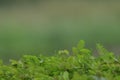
[{"x": 81, "y": 64}]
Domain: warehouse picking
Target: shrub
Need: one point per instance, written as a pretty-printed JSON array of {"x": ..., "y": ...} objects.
[{"x": 81, "y": 64}]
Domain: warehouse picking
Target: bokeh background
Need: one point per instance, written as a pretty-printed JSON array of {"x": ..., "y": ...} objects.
[{"x": 46, "y": 26}]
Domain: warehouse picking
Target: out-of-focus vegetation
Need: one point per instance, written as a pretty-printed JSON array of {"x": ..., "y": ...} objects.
[{"x": 46, "y": 26}]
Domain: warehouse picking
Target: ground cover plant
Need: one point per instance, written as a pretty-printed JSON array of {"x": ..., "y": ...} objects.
[{"x": 80, "y": 64}]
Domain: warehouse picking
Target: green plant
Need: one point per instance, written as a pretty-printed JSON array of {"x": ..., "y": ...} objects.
[{"x": 81, "y": 64}]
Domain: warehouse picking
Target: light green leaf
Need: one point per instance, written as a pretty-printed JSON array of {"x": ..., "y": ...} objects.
[{"x": 66, "y": 75}]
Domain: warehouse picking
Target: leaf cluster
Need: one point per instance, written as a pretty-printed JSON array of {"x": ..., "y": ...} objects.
[{"x": 81, "y": 64}]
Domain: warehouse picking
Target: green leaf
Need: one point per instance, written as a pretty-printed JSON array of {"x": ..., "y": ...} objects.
[
  {"x": 101, "y": 49},
  {"x": 63, "y": 52},
  {"x": 81, "y": 44},
  {"x": 75, "y": 50},
  {"x": 66, "y": 75},
  {"x": 85, "y": 51}
]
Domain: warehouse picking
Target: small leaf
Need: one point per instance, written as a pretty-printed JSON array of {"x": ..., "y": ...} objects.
[
  {"x": 75, "y": 50},
  {"x": 101, "y": 49},
  {"x": 66, "y": 75},
  {"x": 81, "y": 44},
  {"x": 63, "y": 52},
  {"x": 85, "y": 51}
]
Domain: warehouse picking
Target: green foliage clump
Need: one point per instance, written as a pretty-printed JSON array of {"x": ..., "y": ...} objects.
[{"x": 81, "y": 64}]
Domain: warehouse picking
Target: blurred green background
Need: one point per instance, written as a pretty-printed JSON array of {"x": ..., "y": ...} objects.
[{"x": 44, "y": 27}]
